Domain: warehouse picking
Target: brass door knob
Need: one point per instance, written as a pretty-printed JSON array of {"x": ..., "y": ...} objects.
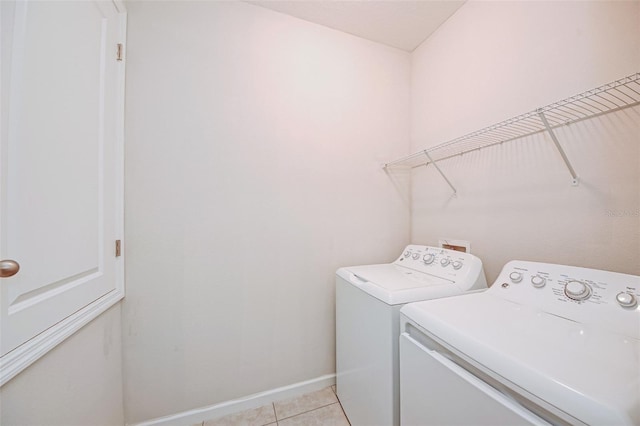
[{"x": 8, "y": 268}]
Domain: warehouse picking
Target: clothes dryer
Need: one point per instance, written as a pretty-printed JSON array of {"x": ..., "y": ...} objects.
[
  {"x": 546, "y": 344},
  {"x": 368, "y": 302}
]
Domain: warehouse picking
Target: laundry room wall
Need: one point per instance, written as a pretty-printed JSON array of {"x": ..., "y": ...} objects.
[
  {"x": 492, "y": 61},
  {"x": 253, "y": 171},
  {"x": 79, "y": 382}
]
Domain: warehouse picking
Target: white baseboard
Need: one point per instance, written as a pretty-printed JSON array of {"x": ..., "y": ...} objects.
[{"x": 197, "y": 415}]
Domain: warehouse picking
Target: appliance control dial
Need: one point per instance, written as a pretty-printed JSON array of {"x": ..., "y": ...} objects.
[
  {"x": 538, "y": 281},
  {"x": 416, "y": 256},
  {"x": 626, "y": 300},
  {"x": 515, "y": 277},
  {"x": 577, "y": 290},
  {"x": 456, "y": 264},
  {"x": 407, "y": 253},
  {"x": 445, "y": 261},
  {"x": 428, "y": 258}
]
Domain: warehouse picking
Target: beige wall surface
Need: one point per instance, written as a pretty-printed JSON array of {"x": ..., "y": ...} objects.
[
  {"x": 254, "y": 145},
  {"x": 78, "y": 383},
  {"x": 492, "y": 61},
  {"x": 253, "y": 171}
]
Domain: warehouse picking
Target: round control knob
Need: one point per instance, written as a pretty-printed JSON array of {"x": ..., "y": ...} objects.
[
  {"x": 515, "y": 277},
  {"x": 416, "y": 256},
  {"x": 456, "y": 264},
  {"x": 428, "y": 258},
  {"x": 445, "y": 262},
  {"x": 577, "y": 290},
  {"x": 626, "y": 300},
  {"x": 538, "y": 281},
  {"x": 407, "y": 253}
]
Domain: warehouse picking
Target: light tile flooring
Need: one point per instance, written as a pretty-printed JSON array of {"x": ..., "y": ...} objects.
[{"x": 320, "y": 408}]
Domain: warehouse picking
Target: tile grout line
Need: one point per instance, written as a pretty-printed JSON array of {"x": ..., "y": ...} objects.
[
  {"x": 313, "y": 409},
  {"x": 308, "y": 411},
  {"x": 277, "y": 419},
  {"x": 334, "y": 388},
  {"x": 345, "y": 414}
]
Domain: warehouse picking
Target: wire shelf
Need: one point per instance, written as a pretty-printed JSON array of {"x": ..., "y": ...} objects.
[{"x": 615, "y": 96}]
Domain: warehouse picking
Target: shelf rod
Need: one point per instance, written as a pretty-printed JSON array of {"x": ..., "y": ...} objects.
[
  {"x": 557, "y": 143},
  {"x": 439, "y": 171}
]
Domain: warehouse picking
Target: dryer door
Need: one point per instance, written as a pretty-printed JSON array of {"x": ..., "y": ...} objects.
[{"x": 436, "y": 391}]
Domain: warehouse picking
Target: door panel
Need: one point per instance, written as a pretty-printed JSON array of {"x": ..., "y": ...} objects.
[{"x": 59, "y": 195}]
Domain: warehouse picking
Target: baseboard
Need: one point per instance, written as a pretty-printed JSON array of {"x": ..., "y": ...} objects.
[{"x": 236, "y": 405}]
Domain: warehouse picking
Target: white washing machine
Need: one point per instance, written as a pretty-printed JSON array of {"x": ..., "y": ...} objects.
[
  {"x": 368, "y": 302},
  {"x": 546, "y": 344}
]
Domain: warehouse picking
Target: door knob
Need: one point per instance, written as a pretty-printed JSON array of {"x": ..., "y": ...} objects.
[{"x": 8, "y": 268}]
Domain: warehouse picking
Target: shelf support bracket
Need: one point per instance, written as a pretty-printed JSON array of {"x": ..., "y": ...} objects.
[
  {"x": 440, "y": 171},
  {"x": 574, "y": 176}
]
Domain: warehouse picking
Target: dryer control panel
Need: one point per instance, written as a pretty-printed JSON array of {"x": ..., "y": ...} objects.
[
  {"x": 452, "y": 265},
  {"x": 588, "y": 296}
]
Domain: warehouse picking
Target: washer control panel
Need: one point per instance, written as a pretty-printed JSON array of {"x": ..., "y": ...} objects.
[
  {"x": 449, "y": 264},
  {"x": 583, "y": 295}
]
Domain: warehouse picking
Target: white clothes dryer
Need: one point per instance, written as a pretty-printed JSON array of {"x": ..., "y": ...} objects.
[
  {"x": 546, "y": 344},
  {"x": 368, "y": 302}
]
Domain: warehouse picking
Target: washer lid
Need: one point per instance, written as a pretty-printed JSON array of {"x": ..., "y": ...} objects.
[
  {"x": 396, "y": 285},
  {"x": 582, "y": 370}
]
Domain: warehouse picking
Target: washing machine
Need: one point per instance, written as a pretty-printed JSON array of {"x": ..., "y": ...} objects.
[
  {"x": 368, "y": 302},
  {"x": 546, "y": 344}
]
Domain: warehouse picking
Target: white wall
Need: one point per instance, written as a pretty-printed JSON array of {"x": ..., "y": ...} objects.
[
  {"x": 495, "y": 60},
  {"x": 254, "y": 145},
  {"x": 79, "y": 382}
]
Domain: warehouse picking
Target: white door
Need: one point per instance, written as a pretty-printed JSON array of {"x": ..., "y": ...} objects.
[{"x": 61, "y": 156}]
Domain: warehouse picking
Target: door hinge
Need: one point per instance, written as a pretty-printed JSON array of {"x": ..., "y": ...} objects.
[
  {"x": 119, "y": 52},
  {"x": 118, "y": 248}
]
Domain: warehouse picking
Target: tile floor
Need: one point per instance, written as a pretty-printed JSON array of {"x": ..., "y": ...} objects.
[{"x": 320, "y": 408}]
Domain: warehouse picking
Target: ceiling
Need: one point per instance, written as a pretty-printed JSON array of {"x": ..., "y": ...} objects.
[{"x": 397, "y": 23}]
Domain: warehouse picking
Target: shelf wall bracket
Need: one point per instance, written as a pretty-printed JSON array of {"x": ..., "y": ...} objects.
[
  {"x": 455, "y": 193},
  {"x": 574, "y": 176}
]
